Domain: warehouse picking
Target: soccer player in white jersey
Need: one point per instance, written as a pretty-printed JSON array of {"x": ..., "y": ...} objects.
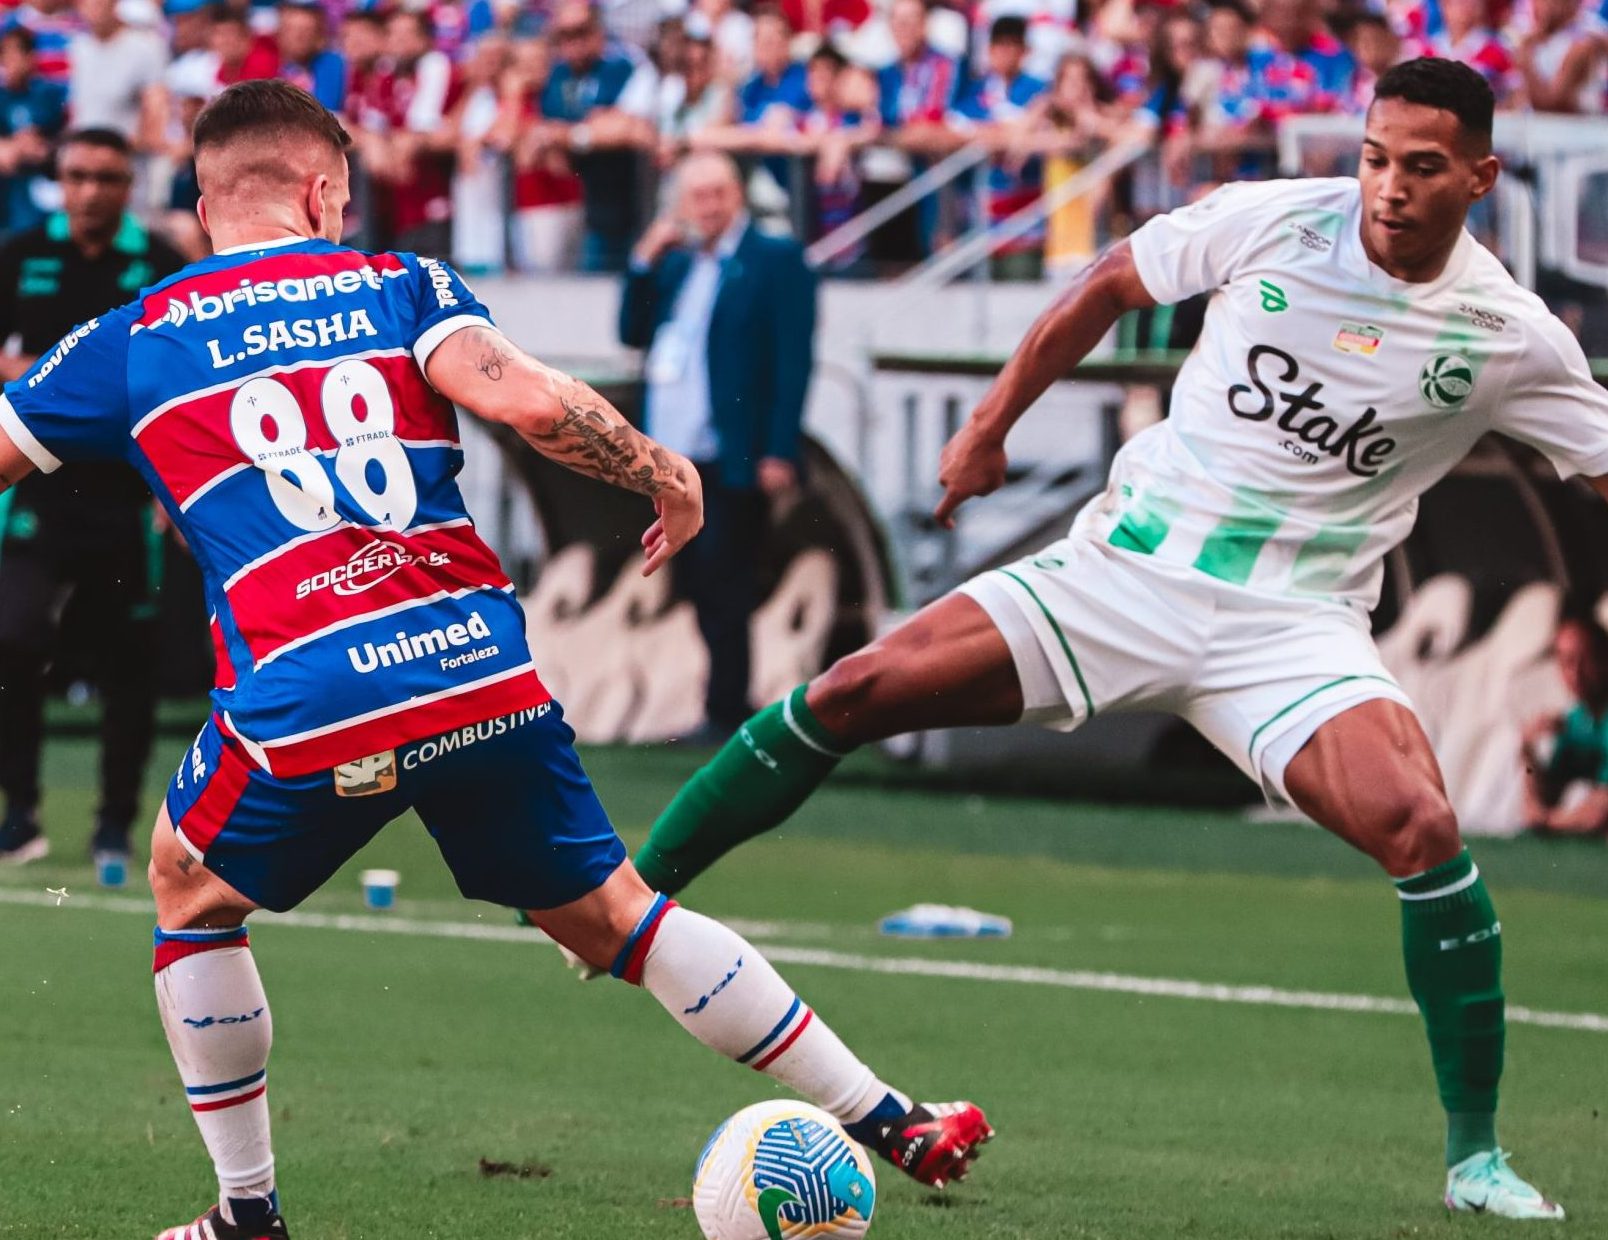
[{"x": 1358, "y": 342}]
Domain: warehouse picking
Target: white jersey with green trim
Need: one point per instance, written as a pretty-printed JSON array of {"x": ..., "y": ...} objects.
[{"x": 1325, "y": 396}]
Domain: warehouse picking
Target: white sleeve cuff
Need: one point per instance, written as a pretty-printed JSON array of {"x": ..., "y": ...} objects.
[
  {"x": 43, "y": 458},
  {"x": 432, "y": 337}
]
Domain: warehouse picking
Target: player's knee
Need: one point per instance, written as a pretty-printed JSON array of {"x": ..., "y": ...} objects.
[
  {"x": 846, "y": 697},
  {"x": 1419, "y": 833}
]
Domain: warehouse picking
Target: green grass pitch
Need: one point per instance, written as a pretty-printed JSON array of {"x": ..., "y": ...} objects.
[{"x": 403, "y": 1060}]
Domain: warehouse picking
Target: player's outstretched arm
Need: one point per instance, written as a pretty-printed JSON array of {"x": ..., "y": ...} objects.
[
  {"x": 483, "y": 371},
  {"x": 14, "y": 466},
  {"x": 973, "y": 462}
]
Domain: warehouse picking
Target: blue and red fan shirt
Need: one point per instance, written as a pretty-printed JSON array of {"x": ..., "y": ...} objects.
[{"x": 274, "y": 399}]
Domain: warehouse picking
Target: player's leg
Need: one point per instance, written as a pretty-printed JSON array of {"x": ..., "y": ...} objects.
[
  {"x": 519, "y": 825},
  {"x": 947, "y": 666},
  {"x": 229, "y": 839},
  {"x": 31, "y": 593},
  {"x": 721, "y": 989},
  {"x": 1297, "y": 695},
  {"x": 1451, "y": 937},
  {"x": 219, "y": 1027}
]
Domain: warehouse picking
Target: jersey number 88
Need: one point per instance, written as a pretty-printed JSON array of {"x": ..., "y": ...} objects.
[{"x": 270, "y": 428}]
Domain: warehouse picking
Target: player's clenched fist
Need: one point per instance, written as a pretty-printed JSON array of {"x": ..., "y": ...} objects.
[{"x": 972, "y": 464}]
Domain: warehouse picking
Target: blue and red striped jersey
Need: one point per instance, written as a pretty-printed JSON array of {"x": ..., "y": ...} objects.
[{"x": 274, "y": 398}]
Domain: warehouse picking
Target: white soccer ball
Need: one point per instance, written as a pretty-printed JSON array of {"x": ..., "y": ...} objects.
[{"x": 783, "y": 1171}]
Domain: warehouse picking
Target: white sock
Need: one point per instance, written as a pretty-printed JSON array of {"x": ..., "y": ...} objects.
[
  {"x": 216, "y": 1017},
  {"x": 727, "y": 995}
]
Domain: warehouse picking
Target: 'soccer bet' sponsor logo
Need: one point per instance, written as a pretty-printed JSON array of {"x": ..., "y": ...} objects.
[
  {"x": 440, "y": 282},
  {"x": 462, "y": 738},
  {"x": 68, "y": 343},
  {"x": 204, "y": 307},
  {"x": 207, "y": 1022},
  {"x": 1362, "y": 444},
  {"x": 280, "y": 334},
  {"x": 366, "y": 569},
  {"x": 410, "y": 646}
]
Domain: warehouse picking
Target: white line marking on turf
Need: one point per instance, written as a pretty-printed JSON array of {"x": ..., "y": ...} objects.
[{"x": 904, "y": 966}]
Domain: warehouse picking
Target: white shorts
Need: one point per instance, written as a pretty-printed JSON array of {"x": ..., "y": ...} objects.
[{"x": 1094, "y": 628}]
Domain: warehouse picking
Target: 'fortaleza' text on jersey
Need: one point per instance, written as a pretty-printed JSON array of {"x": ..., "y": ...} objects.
[
  {"x": 274, "y": 398},
  {"x": 1325, "y": 396}
]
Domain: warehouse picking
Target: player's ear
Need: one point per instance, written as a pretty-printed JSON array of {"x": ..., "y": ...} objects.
[
  {"x": 1485, "y": 172},
  {"x": 201, "y": 214},
  {"x": 315, "y": 204}
]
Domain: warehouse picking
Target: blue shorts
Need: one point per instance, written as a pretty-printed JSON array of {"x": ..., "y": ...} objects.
[{"x": 506, "y": 800}]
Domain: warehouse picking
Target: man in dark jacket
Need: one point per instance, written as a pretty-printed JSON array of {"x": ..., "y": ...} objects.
[
  {"x": 727, "y": 315},
  {"x": 82, "y": 537}
]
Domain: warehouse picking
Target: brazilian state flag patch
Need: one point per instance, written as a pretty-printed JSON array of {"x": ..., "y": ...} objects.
[{"x": 1361, "y": 338}]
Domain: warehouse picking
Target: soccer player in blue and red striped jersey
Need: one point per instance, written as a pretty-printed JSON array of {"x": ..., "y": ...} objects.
[{"x": 290, "y": 401}]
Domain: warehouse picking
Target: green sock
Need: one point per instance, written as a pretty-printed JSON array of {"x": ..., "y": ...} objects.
[
  {"x": 759, "y": 777},
  {"x": 1453, "y": 947}
]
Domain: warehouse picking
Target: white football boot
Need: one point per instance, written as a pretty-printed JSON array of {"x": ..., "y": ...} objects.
[{"x": 1484, "y": 1184}]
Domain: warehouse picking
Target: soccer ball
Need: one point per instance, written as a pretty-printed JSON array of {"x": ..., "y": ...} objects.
[{"x": 783, "y": 1171}]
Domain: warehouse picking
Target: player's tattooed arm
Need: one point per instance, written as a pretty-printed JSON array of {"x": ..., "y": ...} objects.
[{"x": 567, "y": 421}]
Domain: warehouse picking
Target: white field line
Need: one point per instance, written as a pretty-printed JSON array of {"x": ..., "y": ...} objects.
[{"x": 904, "y": 966}]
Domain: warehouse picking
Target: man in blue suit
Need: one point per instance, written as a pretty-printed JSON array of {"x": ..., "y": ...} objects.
[{"x": 727, "y": 315}]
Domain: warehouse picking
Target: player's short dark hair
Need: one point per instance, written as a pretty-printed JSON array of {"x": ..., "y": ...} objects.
[
  {"x": 21, "y": 36},
  {"x": 1008, "y": 29},
  {"x": 101, "y": 137},
  {"x": 269, "y": 108},
  {"x": 1446, "y": 84}
]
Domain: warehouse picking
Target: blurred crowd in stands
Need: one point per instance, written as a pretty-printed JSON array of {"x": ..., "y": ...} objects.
[{"x": 528, "y": 133}]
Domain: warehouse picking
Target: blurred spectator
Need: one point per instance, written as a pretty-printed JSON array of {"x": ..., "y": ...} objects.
[
  {"x": 116, "y": 74},
  {"x": 1072, "y": 123},
  {"x": 193, "y": 69},
  {"x": 54, "y": 23},
  {"x": 1466, "y": 35},
  {"x": 33, "y": 111},
  {"x": 1561, "y": 60},
  {"x": 1167, "y": 111},
  {"x": 826, "y": 18},
  {"x": 480, "y": 137},
  {"x": 922, "y": 84},
  {"x": 730, "y": 30},
  {"x": 1298, "y": 64},
  {"x": 305, "y": 57},
  {"x": 1375, "y": 46},
  {"x": 601, "y": 122},
  {"x": 727, "y": 315},
  {"x": 777, "y": 79},
  {"x": 548, "y": 216},
  {"x": 1052, "y": 31},
  {"x": 841, "y": 120},
  {"x": 994, "y": 110},
  {"x": 241, "y": 56},
  {"x": 1566, "y": 790},
  {"x": 1122, "y": 36},
  {"x": 413, "y": 172},
  {"x": 691, "y": 100}
]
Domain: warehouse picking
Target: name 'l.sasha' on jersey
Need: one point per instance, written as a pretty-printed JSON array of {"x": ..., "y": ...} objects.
[{"x": 274, "y": 398}]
